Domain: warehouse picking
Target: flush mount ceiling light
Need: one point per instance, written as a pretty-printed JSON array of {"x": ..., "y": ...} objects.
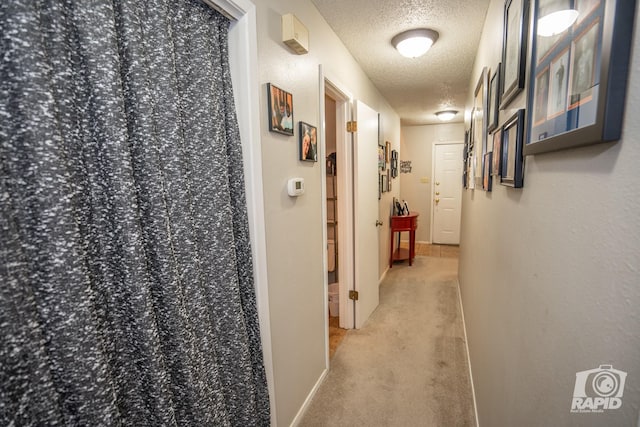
[
  {"x": 414, "y": 43},
  {"x": 447, "y": 115},
  {"x": 556, "y": 22}
]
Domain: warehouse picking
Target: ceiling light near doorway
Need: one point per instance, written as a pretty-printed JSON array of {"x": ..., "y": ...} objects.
[
  {"x": 447, "y": 115},
  {"x": 556, "y": 22},
  {"x": 414, "y": 43}
]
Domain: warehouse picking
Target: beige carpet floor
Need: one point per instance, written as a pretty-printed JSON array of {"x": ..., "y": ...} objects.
[{"x": 408, "y": 365}]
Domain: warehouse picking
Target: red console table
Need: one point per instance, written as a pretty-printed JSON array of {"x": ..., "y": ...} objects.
[{"x": 403, "y": 223}]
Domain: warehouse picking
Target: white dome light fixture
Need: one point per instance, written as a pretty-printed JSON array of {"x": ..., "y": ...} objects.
[
  {"x": 446, "y": 115},
  {"x": 557, "y": 22},
  {"x": 414, "y": 43}
]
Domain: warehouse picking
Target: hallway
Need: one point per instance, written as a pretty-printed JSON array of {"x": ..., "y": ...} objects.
[{"x": 408, "y": 365}]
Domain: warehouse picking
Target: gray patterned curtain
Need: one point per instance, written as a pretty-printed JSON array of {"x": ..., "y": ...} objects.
[{"x": 126, "y": 294}]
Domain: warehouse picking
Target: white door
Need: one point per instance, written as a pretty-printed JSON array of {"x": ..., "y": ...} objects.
[
  {"x": 447, "y": 193},
  {"x": 365, "y": 211}
]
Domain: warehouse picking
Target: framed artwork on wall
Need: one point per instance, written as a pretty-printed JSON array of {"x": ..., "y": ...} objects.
[
  {"x": 497, "y": 151},
  {"x": 280, "y": 107},
  {"x": 479, "y": 125},
  {"x": 381, "y": 158},
  {"x": 394, "y": 163},
  {"x": 493, "y": 104},
  {"x": 578, "y": 80},
  {"x": 512, "y": 164},
  {"x": 514, "y": 49},
  {"x": 308, "y": 142},
  {"x": 486, "y": 172}
]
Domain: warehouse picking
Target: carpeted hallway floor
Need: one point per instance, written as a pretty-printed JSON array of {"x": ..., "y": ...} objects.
[{"x": 408, "y": 365}]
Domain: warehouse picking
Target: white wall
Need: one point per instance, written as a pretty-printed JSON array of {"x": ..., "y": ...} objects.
[
  {"x": 294, "y": 228},
  {"x": 549, "y": 273},
  {"x": 417, "y": 145}
]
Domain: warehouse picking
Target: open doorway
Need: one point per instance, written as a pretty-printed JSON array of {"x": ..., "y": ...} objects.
[
  {"x": 334, "y": 199},
  {"x": 339, "y": 223}
]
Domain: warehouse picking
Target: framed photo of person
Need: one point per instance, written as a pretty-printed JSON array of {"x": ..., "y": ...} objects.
[
  {"x": 514, "y": 49},
  {"x": 280, "y": 107},
  {"x": 579, "y": 79},
  {"x": 308, "y": 142}
]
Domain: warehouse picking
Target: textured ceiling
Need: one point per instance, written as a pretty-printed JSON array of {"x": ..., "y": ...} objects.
[{"x": 415, "y": 88}]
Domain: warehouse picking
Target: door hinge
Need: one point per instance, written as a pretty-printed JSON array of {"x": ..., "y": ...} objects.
[
  {"x": 352, "y": 126},
  {"x": 353, "y": 295}
]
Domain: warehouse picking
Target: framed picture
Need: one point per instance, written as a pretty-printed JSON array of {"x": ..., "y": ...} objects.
[
  {"x": 381, "y": 159},
  {"x": 486, "y": 172},
  {"x": 514, "y": 49},
  {"x": 493, "y": 103},
  {"x": 479, "y": 119},
  {"x": 394, "y": 163},
  {"x": 308, "y": 142},
  {"x": 280, "y": 110},
  {"x": 512, "y": 164},
  {"x": 384, "y": 182},
  {"x": 497, "y": 150},
  {"x": 387, "y": 152},
  {"x": 579, "y": 79}
]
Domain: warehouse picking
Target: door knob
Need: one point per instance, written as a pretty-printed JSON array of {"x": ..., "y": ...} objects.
[
  {"x": 437, "y": 183},
  {"x": 378, "y": 223},
  {"x": 437, "y": 193},
  {"x": 437, "y": 201}
]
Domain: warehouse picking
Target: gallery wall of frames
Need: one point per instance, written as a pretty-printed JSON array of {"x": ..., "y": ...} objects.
[{"x": 575, "y": 75}]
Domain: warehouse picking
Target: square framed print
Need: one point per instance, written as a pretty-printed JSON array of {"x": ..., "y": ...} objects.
[
  {"x": 280, "y": 106},
  {"x": 512, "y": 163},
  {"x": 308, "y": 142},
  {"x": 578, "y": 80},
  {"x": 514, "y": 49}
]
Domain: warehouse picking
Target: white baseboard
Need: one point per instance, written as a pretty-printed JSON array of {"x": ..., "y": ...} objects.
[
  {"x": 298, "y": 418},
  {"x": 466, "y": 343},
  {"x": 384, "y": 273}
]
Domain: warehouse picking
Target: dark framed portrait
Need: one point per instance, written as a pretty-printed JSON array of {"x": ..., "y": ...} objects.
[
  {"x": 308, "y": 142},
  {"x": 580, "y": 75},
  {"x": 280, "y": 107}
]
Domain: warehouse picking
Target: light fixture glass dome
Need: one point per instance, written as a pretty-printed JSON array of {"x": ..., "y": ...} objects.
[
  {"x": 446, "y": 115},
  {"x": 414, "y": 43},
  {"x": 556, "y": 22}
]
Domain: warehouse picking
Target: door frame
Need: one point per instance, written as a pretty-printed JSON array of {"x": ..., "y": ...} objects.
[
  {"x": 344, "y": 154},
  {"x": 243, "y": 61},
  {"x": 433, "y": 179}
]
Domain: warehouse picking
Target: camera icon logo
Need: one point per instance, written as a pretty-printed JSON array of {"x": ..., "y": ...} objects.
[{"x": 597, "y": 390}]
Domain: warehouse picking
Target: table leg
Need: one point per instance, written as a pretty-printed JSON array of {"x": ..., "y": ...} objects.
[
  {"x": 391, "y": 253},
  {"x": 412, "y": 246}
]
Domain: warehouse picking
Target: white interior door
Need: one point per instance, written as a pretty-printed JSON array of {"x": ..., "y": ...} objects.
[
  {"x": 365, "y": 211},
  {"x": 447, "y": 193}
]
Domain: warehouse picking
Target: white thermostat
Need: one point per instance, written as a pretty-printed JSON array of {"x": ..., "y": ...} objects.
[{"x": 295, "y": 186}]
